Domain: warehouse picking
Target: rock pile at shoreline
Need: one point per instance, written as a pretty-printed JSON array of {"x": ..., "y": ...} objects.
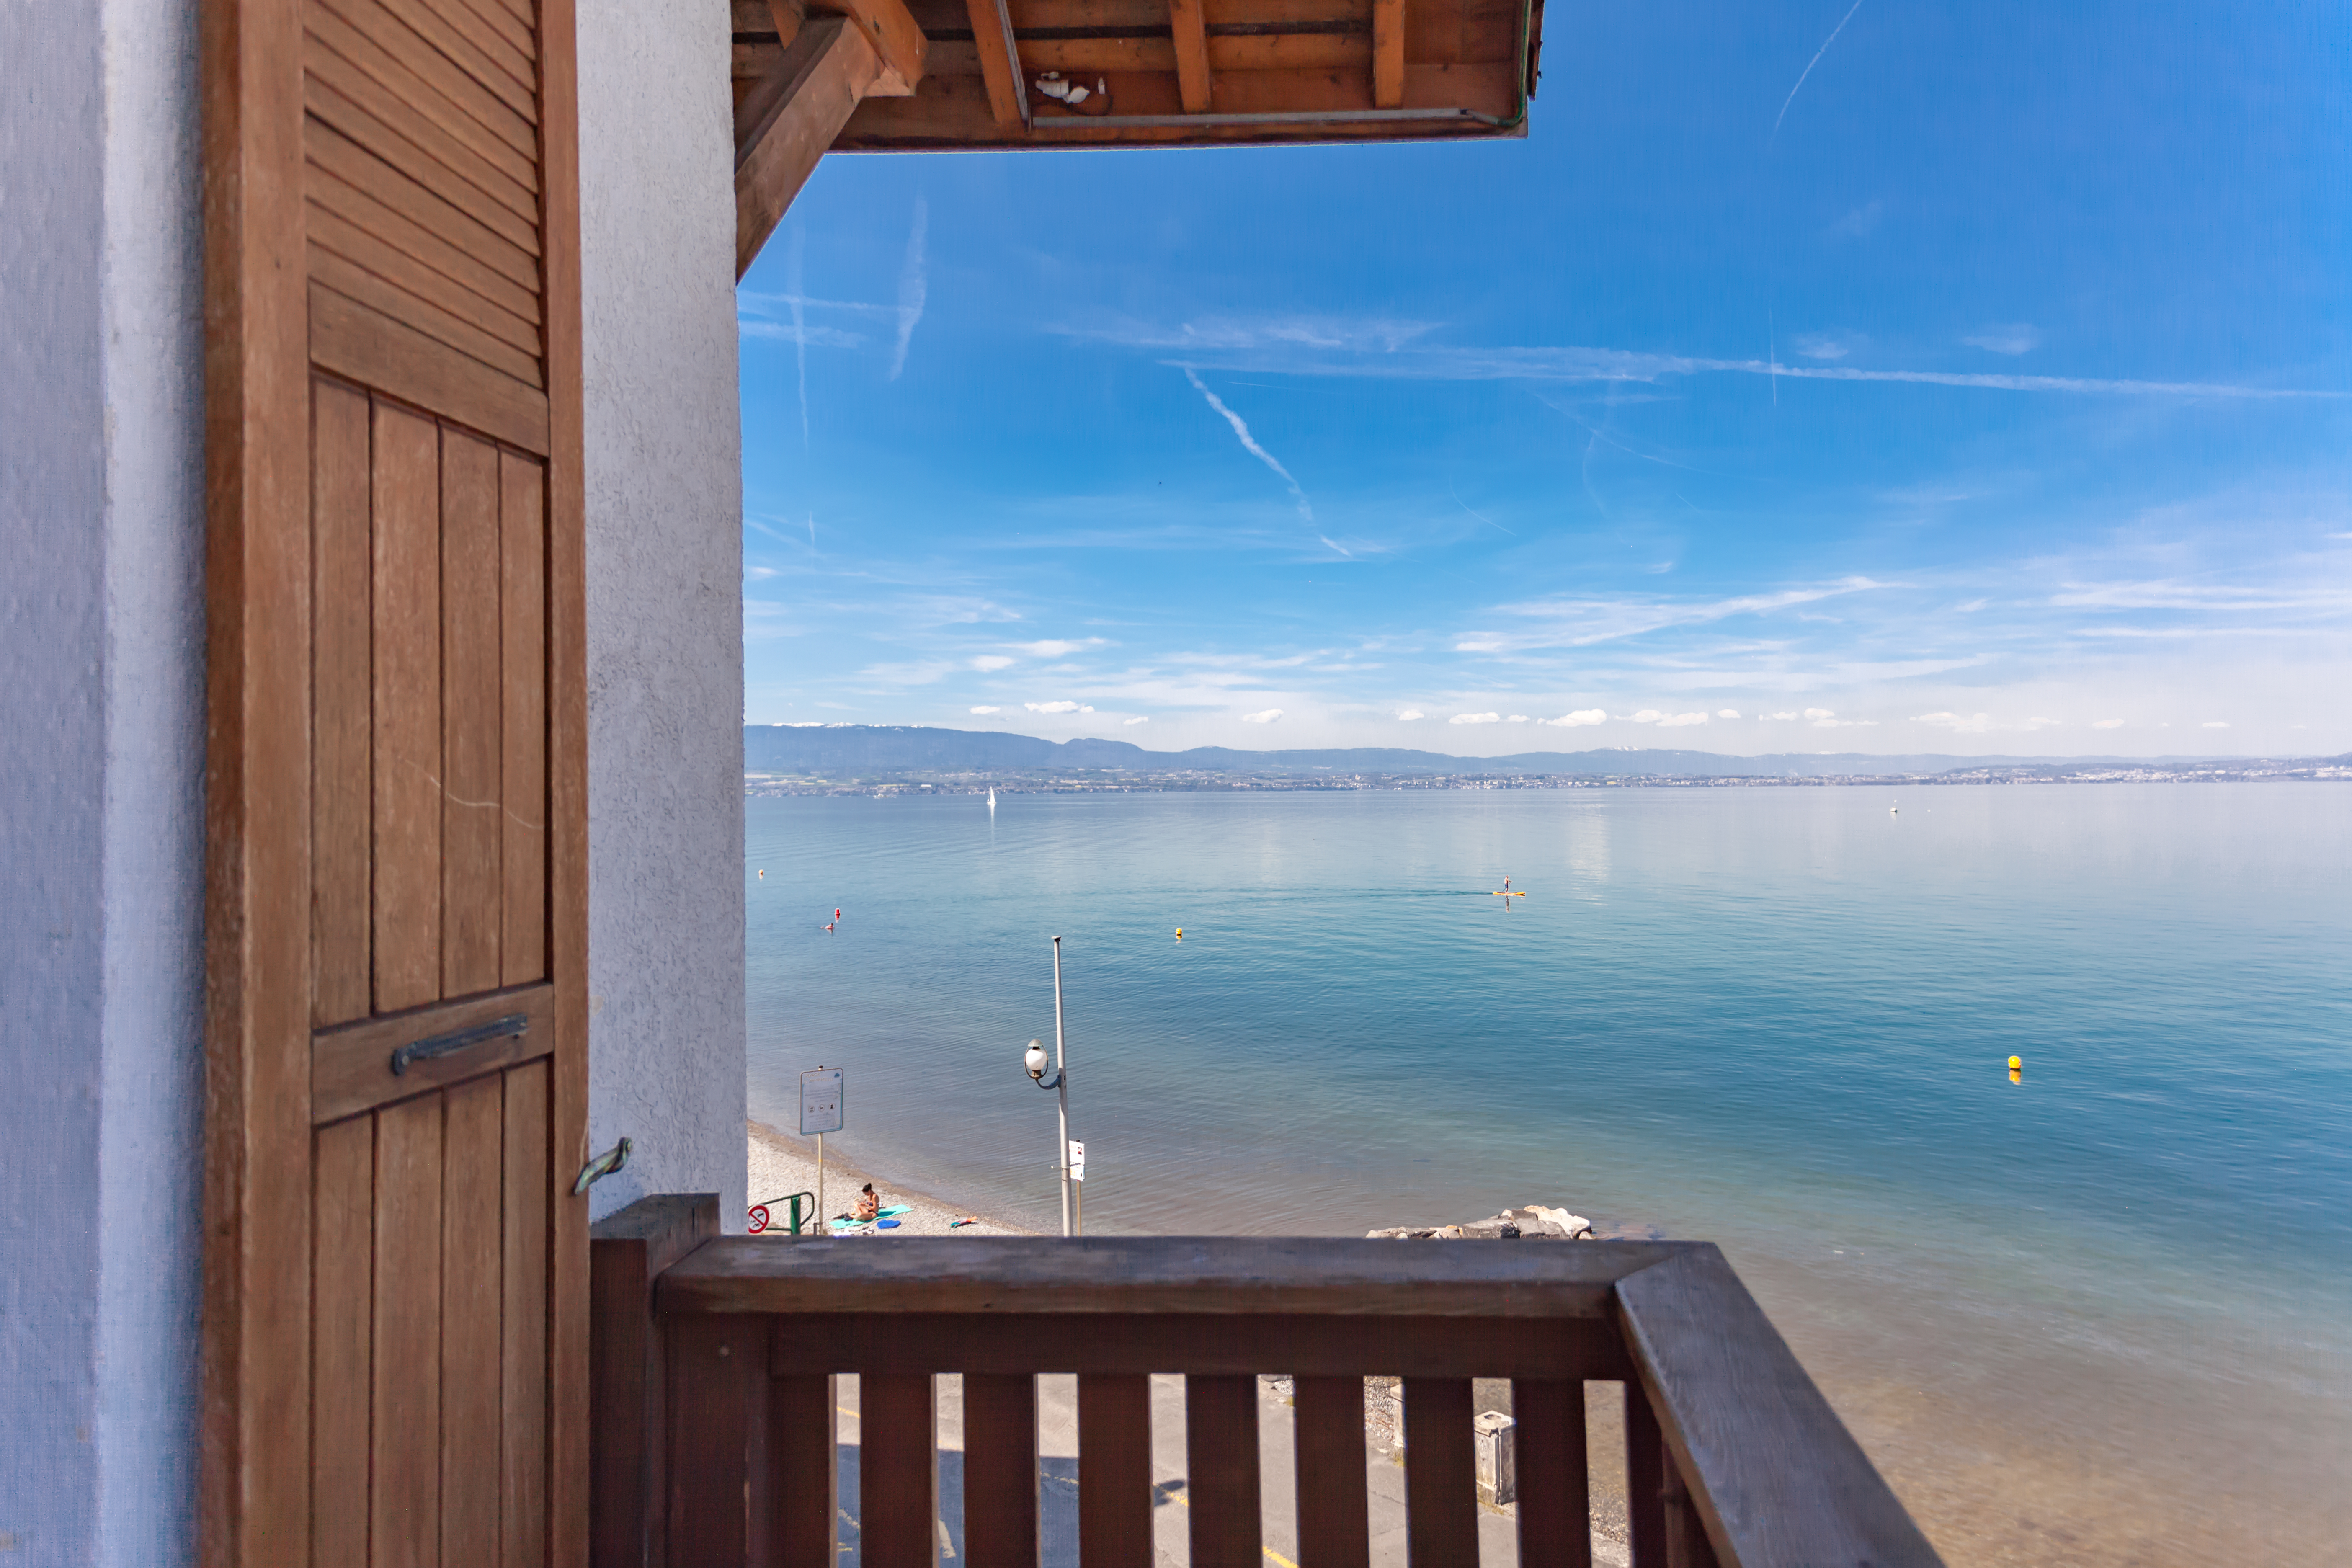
[{"x": 1535, "y": 1222}]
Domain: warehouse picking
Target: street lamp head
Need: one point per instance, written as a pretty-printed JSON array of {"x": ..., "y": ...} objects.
[{"x": 1034, "y": 1058}]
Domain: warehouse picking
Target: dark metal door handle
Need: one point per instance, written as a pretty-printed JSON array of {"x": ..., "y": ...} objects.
[{"x": 425, "y": 1050}]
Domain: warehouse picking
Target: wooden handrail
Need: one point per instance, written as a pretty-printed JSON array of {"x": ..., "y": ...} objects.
[
  {"x": 1179, "y": 1274},
  {"x": 1772, "y": 1473},
  {"x": 1735, "y": 1459}
]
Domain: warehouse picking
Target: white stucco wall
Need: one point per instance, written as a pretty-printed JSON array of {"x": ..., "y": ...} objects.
[
  {"x": 101, "y": 635},
  {"x": 665, "y": 486}
]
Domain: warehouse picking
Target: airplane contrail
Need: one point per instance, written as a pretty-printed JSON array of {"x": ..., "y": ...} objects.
[{"x": 1812, "y": 63}]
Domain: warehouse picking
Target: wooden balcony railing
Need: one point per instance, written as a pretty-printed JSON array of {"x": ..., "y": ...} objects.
[{"x": 714, "y": 1404}]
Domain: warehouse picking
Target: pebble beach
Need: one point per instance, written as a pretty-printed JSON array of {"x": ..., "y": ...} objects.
[{"x": 781, "y": 1164}]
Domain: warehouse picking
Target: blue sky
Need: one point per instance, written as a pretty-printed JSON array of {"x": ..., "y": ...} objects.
[{"x": 1979, "y": 383}]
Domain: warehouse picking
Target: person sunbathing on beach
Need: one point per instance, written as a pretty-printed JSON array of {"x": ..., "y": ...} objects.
[{"x": 868, "y": 1206}]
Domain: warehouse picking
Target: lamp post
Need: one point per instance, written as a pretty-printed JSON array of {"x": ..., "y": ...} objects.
[{"x": 1034, "y": 1059}]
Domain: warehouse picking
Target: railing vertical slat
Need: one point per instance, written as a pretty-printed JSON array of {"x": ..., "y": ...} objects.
[
  {"x": 1000, "y": 1469},
  {"x": 717, "y": 1439},
  {"x": 898, "y": 1470},
  {"x": 1554, "y": 1484},
  {"x": 1687, "y": 1543},
  {"x": 1114, "y": 1470},
  {"x": 1221, "y": 1471},
  {"x": 1327, "y": 1442},
  {"x": 1645, "y": 1479},
  {"x": 1440, "y": 1474},
  {"x": 804, "y": 1477}
]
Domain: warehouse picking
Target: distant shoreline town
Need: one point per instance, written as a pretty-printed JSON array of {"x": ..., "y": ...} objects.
[{"x": 874, "y": 759}]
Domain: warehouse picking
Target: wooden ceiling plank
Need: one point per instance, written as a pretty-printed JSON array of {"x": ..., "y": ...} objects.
[
  {"x": 1288, "y": 51},
  {"x": 786, "y": 124},
  {"x": 889, "y": 30},
  {"x": 788, "y": 16},
  {"x": 1000, "y": 64},
  {"x": 1387, "y": 54},
  {"x": 1187, "y": 20},
  {"x": 1228, "y": 13}
]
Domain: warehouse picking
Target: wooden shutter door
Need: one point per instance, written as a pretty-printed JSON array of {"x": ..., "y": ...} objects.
[{"x": 396, "y": 1335}]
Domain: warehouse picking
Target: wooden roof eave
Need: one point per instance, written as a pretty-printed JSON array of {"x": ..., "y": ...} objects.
[
  {"x": 814, "y": 76},
  {"x": 1283, "y": 70}
]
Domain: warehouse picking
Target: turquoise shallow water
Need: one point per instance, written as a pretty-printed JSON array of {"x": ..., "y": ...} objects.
[{"x": 2104, "y": 1315}]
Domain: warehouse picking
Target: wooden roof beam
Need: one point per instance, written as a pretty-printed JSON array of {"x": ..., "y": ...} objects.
[
  {"x": 889, "y": 29},
  {"x": 789, "y": 119},
  {"x": 1387, "y": 54},
  {"x": 1000, "y": 63},
  {"x": 1188, "y": 20}
]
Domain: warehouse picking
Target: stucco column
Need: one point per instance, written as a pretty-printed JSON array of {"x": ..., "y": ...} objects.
[
  {"x": 664, "y": 487},
  {"x": 101, "y": 756}
]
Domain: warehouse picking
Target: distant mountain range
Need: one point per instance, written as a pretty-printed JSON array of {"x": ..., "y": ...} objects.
[{"x": 836, "y": 751}]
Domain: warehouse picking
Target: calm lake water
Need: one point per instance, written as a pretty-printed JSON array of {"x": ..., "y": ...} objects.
[{"x": 2103, "y": 1315}]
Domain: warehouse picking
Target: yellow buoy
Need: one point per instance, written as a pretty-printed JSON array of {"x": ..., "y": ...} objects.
[
  {"x": 2017, "y": 1064},
  {"x": 1180, "y": 933}
]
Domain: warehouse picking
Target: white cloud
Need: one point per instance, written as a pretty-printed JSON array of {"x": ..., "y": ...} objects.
[
  {"x": 991, "y": 661},
  {"x": 1859, "y": 222},
  {"x": 1579, "y": 623},
  {"x": 2217, "y": 723},
  {"x": 1055, "y": 648},
  {"x": 1476, "y": 718},
  {"x": 1057, "y": 707},
  {"x": 2032, "y": 724},
  {"x": 1582, "y": 716},
  {"x": 2106, "y": 724},
  {"x": 1844, "y": 723},
  {"x": 1779, "y": 715},
  {"x": 804, "y": 335},
  {"x": 1412, "y": 713},
  {"x": 1727, "y": 712},
  {"x": 2015, "y": 337},
  {"x": 1821, "y": 713},
  {"x": 1368, "y": 334},
  {"x": 1676, "y": 721},
  {"x": 1516, "y": 719},
  {"x": 759, "y": 574},
  {"x": 1594, "y": 364},
  {"x": 1820, "y": 345},
  {"x": 2174, "y": 595},
  {"x": 1138, "y": 718},
  {"x": 988, "y": 708},
  {"x": 1958, "y": 723},
  {"x": 1268, "y": 717}
]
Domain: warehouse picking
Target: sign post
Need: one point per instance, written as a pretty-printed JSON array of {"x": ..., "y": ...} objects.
[
  {"x": 821, "y": 1100},
  {"x": 1078, "y": 1174}
]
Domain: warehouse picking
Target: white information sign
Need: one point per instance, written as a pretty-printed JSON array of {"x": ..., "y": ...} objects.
[
  {"x": 821, "y": 1100},
  {"x": 1077, "y": 1160}
]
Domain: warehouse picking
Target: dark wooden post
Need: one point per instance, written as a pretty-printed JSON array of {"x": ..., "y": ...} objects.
[
  {"x": 1645, "y": 1503},
  {"x": 1555, "y": 1490},
  {"x": 1687, "y": 1543},
  {"x": 627, "y": 1432},
  {"x": 1440, "y": 1474}
]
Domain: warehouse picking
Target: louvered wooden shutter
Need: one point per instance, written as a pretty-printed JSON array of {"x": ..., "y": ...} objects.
[{"x": 395, "y": 1325}]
